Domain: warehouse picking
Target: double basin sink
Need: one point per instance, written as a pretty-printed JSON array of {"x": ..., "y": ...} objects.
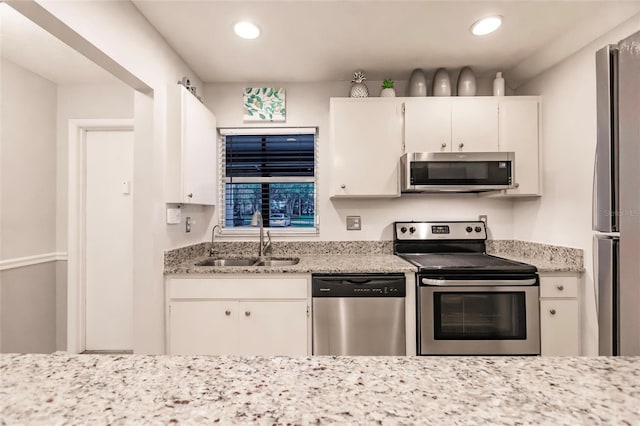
[{"x": 250, "y": 261}]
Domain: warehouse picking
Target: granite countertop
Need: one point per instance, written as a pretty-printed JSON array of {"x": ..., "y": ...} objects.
[
  {"x": 356, "y": 257},
  {"x": 141, "y": 389},
  {"x": 325, "y": 263},
  {"x": 544, "y": 265}
]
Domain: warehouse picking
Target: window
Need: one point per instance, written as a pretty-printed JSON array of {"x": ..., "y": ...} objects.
[{"x": 272, "y": 171}]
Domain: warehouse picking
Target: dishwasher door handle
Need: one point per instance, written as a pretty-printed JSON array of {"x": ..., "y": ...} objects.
[{"x": 356, "y": 281}]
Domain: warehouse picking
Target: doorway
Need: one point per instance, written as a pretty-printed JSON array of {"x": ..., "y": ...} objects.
[
  {"x": 101, "y": 235},
  {"x": 109, "y": 240}
]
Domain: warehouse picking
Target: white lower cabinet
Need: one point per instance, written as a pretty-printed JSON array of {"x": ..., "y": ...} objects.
[
  {"x": 238, "y": 316},
  {"x": 273, "y": 328},
  {"x": 559, "y": 315}
]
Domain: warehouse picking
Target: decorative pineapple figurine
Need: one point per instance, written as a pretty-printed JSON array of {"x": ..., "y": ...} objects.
[{"x": 358, "y": 88}]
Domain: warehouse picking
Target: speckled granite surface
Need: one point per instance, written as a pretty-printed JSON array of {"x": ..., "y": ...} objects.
[
  {"x": 547, "y": 258},
  {"x": 138, "y": 389},
  {"x": 279, "y": 248},
  {"x": 356, "y": 256},
  {"x": 308, "y": 264}
]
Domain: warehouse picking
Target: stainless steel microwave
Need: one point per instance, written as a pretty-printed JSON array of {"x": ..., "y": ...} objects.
[{"x": 457, "y": 171}]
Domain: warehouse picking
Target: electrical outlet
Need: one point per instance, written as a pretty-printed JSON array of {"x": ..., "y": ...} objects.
[
  {"x": 187, "y": 224},
  {"x": 354, "y": 223},
  {"x": 483, "y": 218}
]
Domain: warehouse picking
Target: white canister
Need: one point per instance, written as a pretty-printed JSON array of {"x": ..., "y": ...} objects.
[{"x": 498, "y": 85}]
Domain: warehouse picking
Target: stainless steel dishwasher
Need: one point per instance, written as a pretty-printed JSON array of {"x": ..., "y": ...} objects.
[{"x": 359, "y": 314}]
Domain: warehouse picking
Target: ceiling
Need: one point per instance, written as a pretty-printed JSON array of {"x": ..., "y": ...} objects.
[
  {"x": 28, "y": 45},
  {"x": 328, "y": 40}
]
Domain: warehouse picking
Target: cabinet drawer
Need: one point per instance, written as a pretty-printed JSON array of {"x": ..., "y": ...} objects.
[
  {"x": 558, "y": 287},
  {"x": 238, "y": 288}
]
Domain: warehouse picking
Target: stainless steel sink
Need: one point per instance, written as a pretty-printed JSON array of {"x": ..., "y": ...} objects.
[
  {"x": 249, "y": 261},
  {"x": 279, "y": 261},
  {"x": 228, "y": 262}
]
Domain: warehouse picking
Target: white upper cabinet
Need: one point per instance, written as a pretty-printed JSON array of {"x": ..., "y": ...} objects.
[
  {"x": 474, "y": 124},
  {"x": 365, "y": 147},
  {"x": 427, "y": 125},
  {"x": 451, "y": 124},
  {"x": 519, "y": 133},
  {"x": 191, "y": 149}
]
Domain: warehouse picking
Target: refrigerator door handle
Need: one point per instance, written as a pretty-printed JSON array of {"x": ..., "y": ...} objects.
[
  {"x": 605, "y": 164},
  {"x": 606, "y": 280}
]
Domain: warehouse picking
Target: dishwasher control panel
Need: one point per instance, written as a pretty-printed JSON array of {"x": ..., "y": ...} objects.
[{"x": 358, "y": 285}]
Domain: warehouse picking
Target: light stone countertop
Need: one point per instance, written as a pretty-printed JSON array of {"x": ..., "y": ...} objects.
[
  {"x": 141, "y": 389},
  {"x": 543, "y": 265},
  {"x": 343, "y": 263},
  {"x": 356, "y": 257}
]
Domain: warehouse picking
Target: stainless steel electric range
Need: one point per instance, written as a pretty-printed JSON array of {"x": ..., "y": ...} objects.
[{"x": 469, "y": 302}]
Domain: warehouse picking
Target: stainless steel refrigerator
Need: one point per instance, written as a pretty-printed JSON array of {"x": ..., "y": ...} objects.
[{"x": 616, "y": 197}]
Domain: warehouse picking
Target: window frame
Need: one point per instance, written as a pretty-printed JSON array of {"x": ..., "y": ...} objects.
[{"x": 223, "y": 180}]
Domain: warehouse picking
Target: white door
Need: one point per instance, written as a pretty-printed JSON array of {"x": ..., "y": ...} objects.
[
  {"x": 203, "y": 327},
  {"x": 270, "y": 328},
  {"x": 366, "y": 145},
  {"x": 474, "y": 124},
  {"x": 109, "y": 240},
  {"x": 427, "y": 125}
]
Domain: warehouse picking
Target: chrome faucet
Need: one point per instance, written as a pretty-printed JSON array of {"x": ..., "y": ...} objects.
[
  {"x": 263, "y": 246},
  {"x": 212, "y": 252}
]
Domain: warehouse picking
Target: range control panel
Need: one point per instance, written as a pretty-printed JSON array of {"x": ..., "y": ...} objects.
[{"x": 418, "y": 231}]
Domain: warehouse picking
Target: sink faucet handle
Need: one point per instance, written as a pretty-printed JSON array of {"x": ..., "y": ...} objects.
[{"x": 267, "y": 244}]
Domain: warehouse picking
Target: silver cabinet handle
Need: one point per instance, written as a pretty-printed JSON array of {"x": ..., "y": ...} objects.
[
  {"x": 444, "y": 145},
  {"x": 552, "y": 311},
  {"x": 343, "y": 186},
  {"x": 227, "y": 312},
  {"x": 190, "y": 195},
  {"x": 247, "y": 313},
  {"x": 560, "y": 287},
  {"x": 461, "y": 146}
]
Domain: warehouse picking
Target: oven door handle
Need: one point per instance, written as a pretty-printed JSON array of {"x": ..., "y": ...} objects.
[{"x": 476, "y": 283}]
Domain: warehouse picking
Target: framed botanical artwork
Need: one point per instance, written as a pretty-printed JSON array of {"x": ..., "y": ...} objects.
[{"x": 264, "y": 104}]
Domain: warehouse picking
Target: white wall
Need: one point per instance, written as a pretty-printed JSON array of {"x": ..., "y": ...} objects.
[
  {"x": 75, "y": 102},
  {"x": 28, "y": 163},
  {"x": 27, "y": 209},
  {"x": 144, "y": 53},
  {"x": 308, "y": 105},
  {"x": 562, "y": 216}
]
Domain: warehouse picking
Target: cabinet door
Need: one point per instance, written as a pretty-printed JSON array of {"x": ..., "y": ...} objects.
[
  {"x": 366, "y": 144},
  {"x": 199, "y": 148},
  {"x": 427, "y": 125},
  {"x": 519, "y": 133},
  {"x": 559, "y": 331},
  {"x": 203, "y": 328},
  {"x": 273, "y": 328},
  {"x": 474, "y": 124}
]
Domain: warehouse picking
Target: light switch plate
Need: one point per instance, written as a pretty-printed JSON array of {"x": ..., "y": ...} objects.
[
  {"x": 174, "y": 215},
  {"x": 187, "y": 224},
  {"x": 354, "y": 223}
]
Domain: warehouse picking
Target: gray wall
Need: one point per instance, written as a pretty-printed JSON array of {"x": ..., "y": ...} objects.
[
  {"x": 27, "y": 210},
  {"x": 28, "y": 309}
]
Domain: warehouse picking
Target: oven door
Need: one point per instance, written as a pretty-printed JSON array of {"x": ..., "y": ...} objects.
[{"x": 494, "y": 319}]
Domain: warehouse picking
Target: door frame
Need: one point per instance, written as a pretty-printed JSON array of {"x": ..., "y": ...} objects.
[{"x": 76, "y": 214}]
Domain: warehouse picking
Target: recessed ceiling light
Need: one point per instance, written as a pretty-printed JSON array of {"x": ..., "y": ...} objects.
[
  {"x": 486, "y": 25},
  {"x": 246, "y": 30}
]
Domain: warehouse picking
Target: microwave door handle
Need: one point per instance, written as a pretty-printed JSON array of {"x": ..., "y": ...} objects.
[{"x": 443, "y": 283}]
